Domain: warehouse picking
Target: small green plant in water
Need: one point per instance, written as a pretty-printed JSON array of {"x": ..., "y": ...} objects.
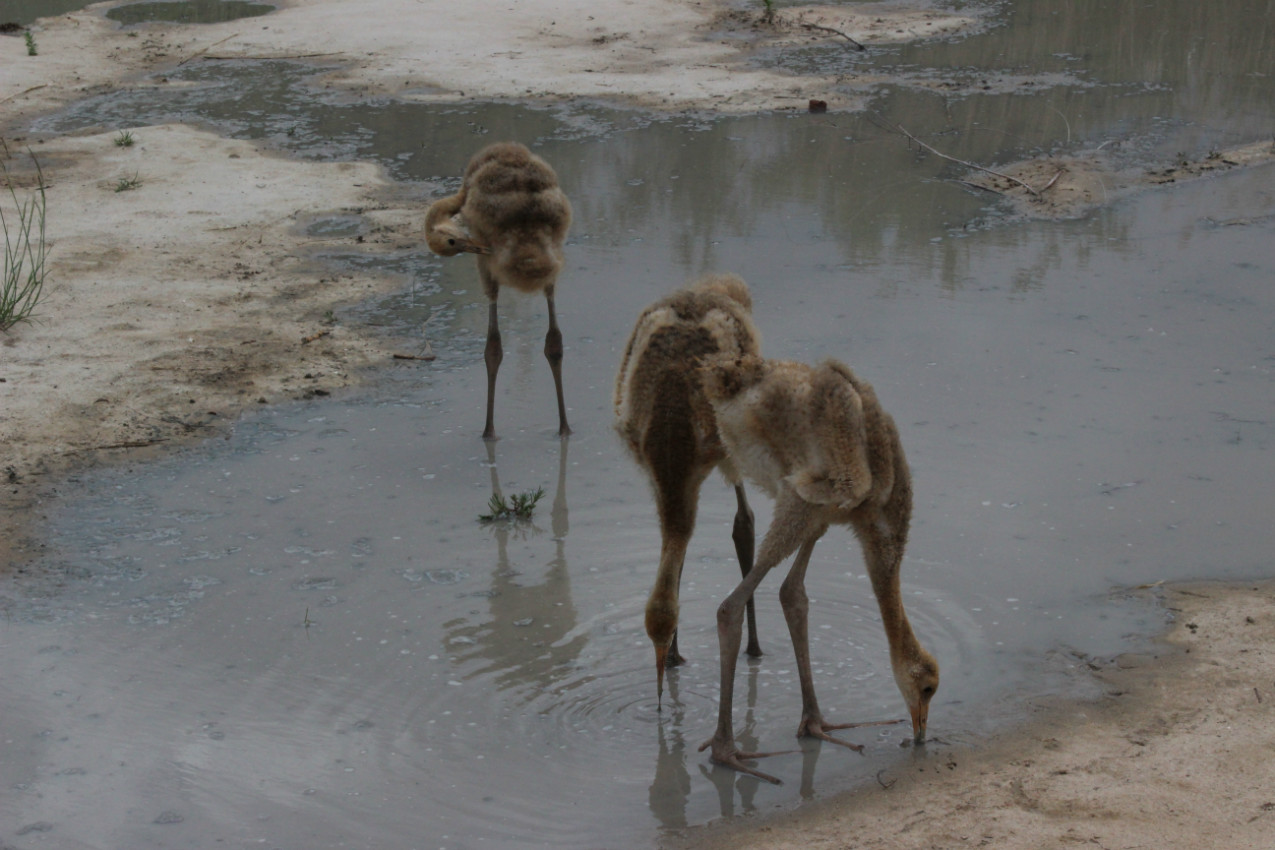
[
  {"x": 30, "y": 39},
  {"x": 126, "y": 183},
  {"x": 768, "y": 17},
  {"x": 24, "y": 252},
  {"x": 518, "y": 507},
  {"x": 124, "y": 139}
]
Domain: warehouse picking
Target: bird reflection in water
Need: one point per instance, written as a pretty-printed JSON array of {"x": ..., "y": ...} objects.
[
  {"x": 523, "y": 641},
  {"x": 670, "y": 790}
]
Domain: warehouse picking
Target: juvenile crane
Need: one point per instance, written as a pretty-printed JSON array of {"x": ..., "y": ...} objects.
[
  {"x": 668, "y": 425},
  {"x": 817, "y": 440},
  {"x": 511, "y": 214}
]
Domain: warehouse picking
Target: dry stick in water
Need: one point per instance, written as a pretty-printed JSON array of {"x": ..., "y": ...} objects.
[{"x": 939, "y": 153}]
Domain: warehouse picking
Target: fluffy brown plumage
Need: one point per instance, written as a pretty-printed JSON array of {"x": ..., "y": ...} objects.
[
  {"x": 512, "y": 215},
  {"x": 669, "y": 427},
  {"x": 818, "y": 441}
]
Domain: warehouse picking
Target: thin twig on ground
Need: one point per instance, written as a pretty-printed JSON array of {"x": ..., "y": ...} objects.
[
  {"x": 127, "y": 444},
  {"x": 21, "y": 93},
  {"x": 1053, "y": 180},
  {"x": 221, "y": 58},
  {"x": 199, "y": 53},
  {"x": 856, "y": 45}
]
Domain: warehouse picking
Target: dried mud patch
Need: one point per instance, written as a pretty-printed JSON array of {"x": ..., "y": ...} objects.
[
  {"x": 863, "y": 24},
  {"x": 1065, "y": 187}
]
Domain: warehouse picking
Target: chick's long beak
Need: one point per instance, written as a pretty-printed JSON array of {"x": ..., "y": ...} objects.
[
  {"x": 919, "y": 716},
  {"x": 661, "y": 656}
]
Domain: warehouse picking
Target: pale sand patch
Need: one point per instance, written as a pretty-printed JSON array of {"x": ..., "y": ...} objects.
[
  {"x": 1178, "y": 753},
  {"x": 173, "y": 305},
  {"x": 667, "y": 54}
]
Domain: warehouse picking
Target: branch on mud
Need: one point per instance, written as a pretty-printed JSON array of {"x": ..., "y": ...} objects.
[
  {"x": 127, "y": 444},
  {"x": 21, "y": 93},
  {"x": 305, "y": 340},
  {"x": 898, "y": 128},
  {"x": 969, "y": 184},
  {"x": 206, "y": 49},
  {"x": 1052, "y": 180},
  {"x": 282, "y": 56},
  {"x": 822, "y": 28}
]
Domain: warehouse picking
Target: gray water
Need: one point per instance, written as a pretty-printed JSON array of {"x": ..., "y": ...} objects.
[
  {"x": 303, "y": 636},
  {"x": 27, "y": 12},
  {"x": 188, "y": 11}
]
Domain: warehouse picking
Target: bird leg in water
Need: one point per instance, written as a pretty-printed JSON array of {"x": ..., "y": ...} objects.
[
  {"x": 793, "y": 527},
  {"x": 553, "y": 353},
  {"x": 743, "y": 534},
  {"x": 493, "y": 355},
  {"x": 796, "y": 605}
]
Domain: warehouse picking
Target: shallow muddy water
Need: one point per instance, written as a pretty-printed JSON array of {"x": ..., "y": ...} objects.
[
  {"x": 179, "y": 11},
  {"x": 188, "y": 11},
  {"x": 303, "y": 636}
]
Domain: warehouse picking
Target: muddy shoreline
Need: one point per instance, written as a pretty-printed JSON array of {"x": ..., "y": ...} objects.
[{"x": 1175, "y": 752}]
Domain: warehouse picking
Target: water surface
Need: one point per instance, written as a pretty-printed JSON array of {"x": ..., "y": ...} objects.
[{"x": 187, "y": 11}]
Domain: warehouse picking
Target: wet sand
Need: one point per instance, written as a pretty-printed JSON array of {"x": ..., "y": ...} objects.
[
  {"x": 1176, "y": 753},
  {"x": 176, "y": 304}
]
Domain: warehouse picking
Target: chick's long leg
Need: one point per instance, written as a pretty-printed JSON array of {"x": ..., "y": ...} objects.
[
  {"x": 796, "y": 605},
  {"x": 793, "y": 527},
  {"x": 553, "y": 353},
  {"x": 743, "y": 534},
  {"x": 492, "y": 356}
]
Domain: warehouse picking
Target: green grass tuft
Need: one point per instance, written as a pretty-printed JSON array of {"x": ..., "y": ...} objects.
[
  {"x": 518, "y": 508},
  {"x": 25, "y": 251},
  {"x": 126, "y": 183}
]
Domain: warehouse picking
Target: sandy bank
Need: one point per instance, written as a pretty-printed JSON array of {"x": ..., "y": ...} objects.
[
  {"x": 1178, "y": 753},
  {"x": 174, "y": 304}
]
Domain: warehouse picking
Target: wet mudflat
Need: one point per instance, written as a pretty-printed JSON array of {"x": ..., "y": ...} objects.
[{"x": 303, "y": 635}]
